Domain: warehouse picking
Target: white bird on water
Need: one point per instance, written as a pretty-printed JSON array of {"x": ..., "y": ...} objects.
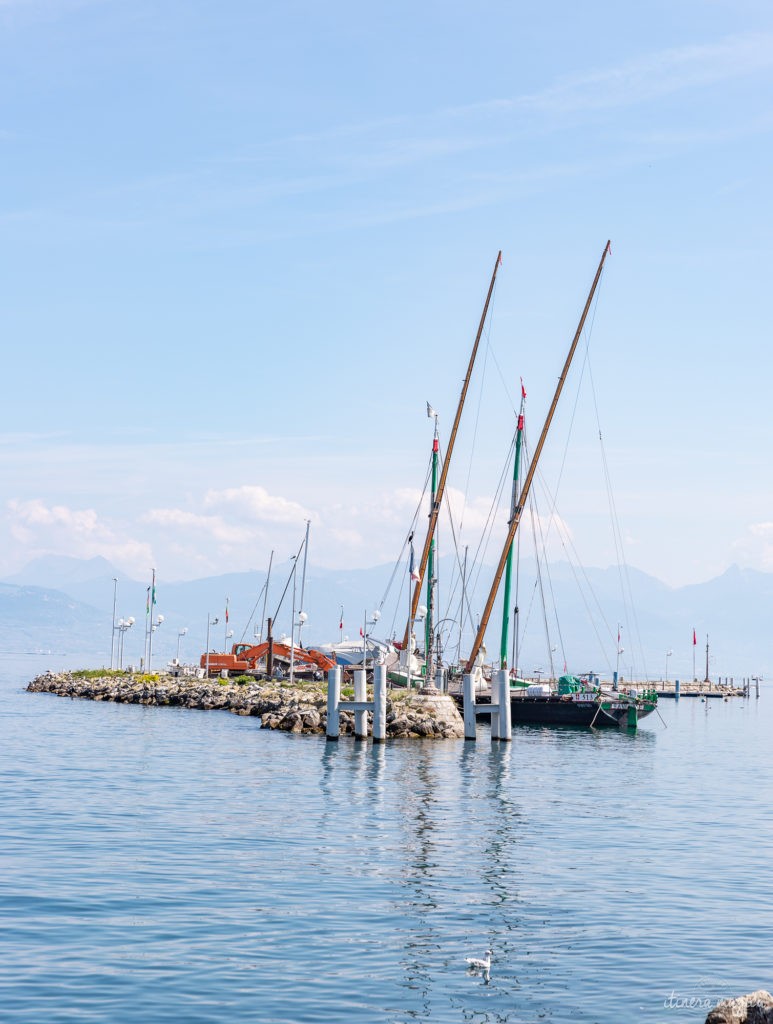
[{"x": 477, "y": 964}]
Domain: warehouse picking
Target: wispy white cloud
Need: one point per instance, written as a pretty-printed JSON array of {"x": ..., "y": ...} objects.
[
  {"x": 645, "y": 78},
  {"x": 256, "y": 503},
  {"x": 40, "y": 529},
  {"x": 215, "y": 527},
  {"x": 755, "y": 548}
]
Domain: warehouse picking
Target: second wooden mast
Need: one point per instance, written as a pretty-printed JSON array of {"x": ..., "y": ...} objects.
[
  {"x": 516, "y": 518},
  {"x": 435, "y": 510}
]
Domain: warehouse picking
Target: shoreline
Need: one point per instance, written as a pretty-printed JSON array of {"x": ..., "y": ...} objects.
[{"x": 298, "y": 709}]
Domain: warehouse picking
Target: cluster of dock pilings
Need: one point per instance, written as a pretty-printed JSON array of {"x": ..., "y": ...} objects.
[
  {"x": 499, "y": 708},
  {"x": 724, "y": 687},
  {"x": 360, "y": 705}
]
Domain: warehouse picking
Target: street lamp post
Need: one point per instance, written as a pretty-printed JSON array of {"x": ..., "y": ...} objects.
[
  {"x": 421, "y": 612},
  {"x": 668, "y": 655},
  {"x": 368, "y": 622},
  {"x": 153, "y": 627},
  {"x": 181, "y": 633},
  {"x": 112, "y": 631},
  {"x": 122, "y": 626},
  {"x": 302, "y": 617},
  {"x": 210, "y": 622}
]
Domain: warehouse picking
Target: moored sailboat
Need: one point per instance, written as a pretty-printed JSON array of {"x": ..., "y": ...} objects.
[{"x": 573, "y": 701}]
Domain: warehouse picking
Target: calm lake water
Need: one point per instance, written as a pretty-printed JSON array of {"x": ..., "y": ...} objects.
[{"x": 168, "y": 865}]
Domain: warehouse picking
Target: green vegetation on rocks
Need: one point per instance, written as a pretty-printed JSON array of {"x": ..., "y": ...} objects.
[{"x": 301, "y": 708}]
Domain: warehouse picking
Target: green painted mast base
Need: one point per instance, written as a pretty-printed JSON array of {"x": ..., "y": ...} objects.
[{"x": 509, "y": 565}]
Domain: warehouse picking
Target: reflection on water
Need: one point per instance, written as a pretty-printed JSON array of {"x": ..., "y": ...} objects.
[{"x": 168, "y": 865}]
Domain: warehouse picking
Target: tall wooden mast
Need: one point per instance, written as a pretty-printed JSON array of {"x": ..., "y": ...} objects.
[
  {"x": 516, "y": 518},
  {"x": 435, "y": 511}
]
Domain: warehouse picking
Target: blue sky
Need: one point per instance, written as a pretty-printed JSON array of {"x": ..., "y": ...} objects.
[{"x": 242, "y": 245}]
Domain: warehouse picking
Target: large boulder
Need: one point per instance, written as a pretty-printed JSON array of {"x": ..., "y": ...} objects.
[{"x": 756, "y": 1008}]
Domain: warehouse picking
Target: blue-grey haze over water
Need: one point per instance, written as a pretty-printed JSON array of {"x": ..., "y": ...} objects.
[{"x": 164, "y": 865}]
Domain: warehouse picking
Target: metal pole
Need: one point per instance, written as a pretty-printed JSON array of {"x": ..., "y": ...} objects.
[
  {"x": 269, "y": 648},
  {"x": 180, "y": 635},
  {"x": 447, "y": 460},
  {"x": 208, "y": 625},
  {"x": 152, "y": 605},
  {"x": 303, "y": 578},
  {"x": 292, "y": 628},
  {"x": 532, "y": 470},
  {"x": 112, "y": 631},
  {"x": 429, "y": 682},
  {"x": 516, "y": 652},
  {"x": 265, "y": 597},
  {"x": 513, "y": 504},
  {"x": 364, "y": 642},
  {"x": 408, "y": 645},
  {"x": 463, "y": 610}
]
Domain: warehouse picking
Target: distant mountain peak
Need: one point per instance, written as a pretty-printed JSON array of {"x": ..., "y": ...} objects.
[{"x": 59, "y": 570}]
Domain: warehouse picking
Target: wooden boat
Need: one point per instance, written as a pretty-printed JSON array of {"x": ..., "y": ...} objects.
[
  {"x": 586, "y": 706},
  {"x": 582, "y": 704}
]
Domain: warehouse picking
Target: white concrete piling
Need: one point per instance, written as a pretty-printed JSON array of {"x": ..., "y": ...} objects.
[
  {"x": 469, "y": 707},
  {"x": 499, "y": 709},
  {"x": 333, "y": 702},
  {"x": 505, "y": 716},
  {"x": 379, "y": 703},
  {"x": 360, "y": 696}
]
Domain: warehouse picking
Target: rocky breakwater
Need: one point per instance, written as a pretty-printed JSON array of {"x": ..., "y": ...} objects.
[{"x": 299, "y": 709}]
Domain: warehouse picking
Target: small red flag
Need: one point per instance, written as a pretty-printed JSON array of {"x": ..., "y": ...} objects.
[
  {"x": 694, "y": 638},
  {"x": 523, "y": 389}
]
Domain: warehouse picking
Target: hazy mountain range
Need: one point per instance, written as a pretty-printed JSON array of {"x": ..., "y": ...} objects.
[{"x": 65, "y": 605}]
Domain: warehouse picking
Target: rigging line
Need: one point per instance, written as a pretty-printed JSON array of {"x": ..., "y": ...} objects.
[
  {"x": 252, "y": 613},
  {"x": 575, "y": 564},
  {"x": 463, "y": 576},
  {"x": 529, "y": 610},
  {"x": 584, "y": 586},
  {"x": 541, "y": 588},
  {"x": 480, "y": 402},
  {"x": 410, "y": 533},
  {"x": 488, "y": 527},
  {"x": 490, "y": 520},
  {"x": 587, "y": 332},
  {"x": 568, "y": 544},
  {"x": 550, "y": 587},
  {"x": 507, "y": 390},
  {"x": 397, "y": 603},
  {"x": 623, "y": 568},
  {"x": 281, "y": 599},
  {"x": 626, "y": 591}
]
